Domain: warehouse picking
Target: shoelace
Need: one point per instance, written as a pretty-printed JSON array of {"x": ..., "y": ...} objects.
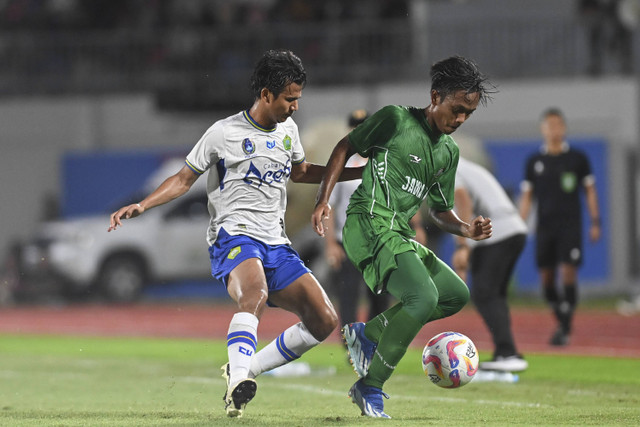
[{"x": 376, "y": 390}]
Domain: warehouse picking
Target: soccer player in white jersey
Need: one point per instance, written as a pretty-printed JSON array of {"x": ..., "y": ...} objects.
[{"x": 251, "y": 156}]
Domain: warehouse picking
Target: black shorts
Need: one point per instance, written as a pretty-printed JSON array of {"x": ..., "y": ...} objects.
[{"x": 558, "y": 244}]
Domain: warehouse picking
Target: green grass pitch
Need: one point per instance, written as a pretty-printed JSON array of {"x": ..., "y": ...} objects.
[{"x": 63, "y": 381}]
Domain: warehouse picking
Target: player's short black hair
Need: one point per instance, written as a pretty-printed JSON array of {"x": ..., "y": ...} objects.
[
  {"x": 553, "y": 111},
  {"x": 457, "y": 73},
  {"x": 275, "y": 70}
]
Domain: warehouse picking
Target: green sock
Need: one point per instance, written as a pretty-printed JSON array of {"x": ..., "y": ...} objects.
[
  {"x": 374, "y": 327},
  {"x": 393, "y": 343}
]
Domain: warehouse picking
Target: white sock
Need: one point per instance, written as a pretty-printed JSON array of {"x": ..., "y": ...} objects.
[
  {"x": 241, "y": 345},
  {"x": 289, "y": 345}
]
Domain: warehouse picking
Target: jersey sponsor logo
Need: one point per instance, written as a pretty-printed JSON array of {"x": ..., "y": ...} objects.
[
  {"x": 286, "y": 142},
  {"x": 248, "y": 147},
  {"x": 414, "y": 187},
  {"x": 271, "y": 145},
  {"x": 234, "y": 252},
  {"x": 271, "y": 175},
  {"x": 538, "y": 167},
  {"x": 414, "y": 158}
]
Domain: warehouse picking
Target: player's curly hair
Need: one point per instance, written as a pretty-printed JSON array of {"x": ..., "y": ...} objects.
[
  {"x": 275, "y": 70},
  {"x": 457, "y": 73}
]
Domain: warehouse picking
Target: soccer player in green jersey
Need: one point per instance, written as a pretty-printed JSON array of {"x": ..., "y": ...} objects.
[{"x": 411, "y": 158}]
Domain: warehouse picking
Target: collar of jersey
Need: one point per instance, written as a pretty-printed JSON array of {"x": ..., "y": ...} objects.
[
  {"x": 425, "y": 124},
  {"x": 565, "y": 148},
  {"x": 254, "y": 123}
]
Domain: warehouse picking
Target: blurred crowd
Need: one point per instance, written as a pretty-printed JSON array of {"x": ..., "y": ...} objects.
[
  {"x": 140, "y": 14},
  {"x": 609, "y": 25},
  {"x": 177, "y": 48}
]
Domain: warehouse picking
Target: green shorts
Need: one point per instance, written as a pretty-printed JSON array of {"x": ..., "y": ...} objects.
[{"x": 372, "y": 248}]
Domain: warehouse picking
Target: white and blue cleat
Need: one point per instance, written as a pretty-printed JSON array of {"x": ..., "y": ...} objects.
[
  {"x": 368, "y": 399},
  {"x": 361, "y": 348}
]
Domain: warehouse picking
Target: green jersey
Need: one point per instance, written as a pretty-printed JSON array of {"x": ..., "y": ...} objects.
[{"x": 407, "y": 164}]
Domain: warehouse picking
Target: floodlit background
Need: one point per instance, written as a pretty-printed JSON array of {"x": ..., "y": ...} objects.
[{"x": 98, "y": 98}]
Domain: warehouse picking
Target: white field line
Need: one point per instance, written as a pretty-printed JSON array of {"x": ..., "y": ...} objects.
[
  {"x": 342, "y": 393},
  {"x": 308, "y": 389}
]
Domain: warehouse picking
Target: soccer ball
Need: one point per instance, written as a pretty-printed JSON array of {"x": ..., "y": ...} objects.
[{"x": 450, "y": 360}]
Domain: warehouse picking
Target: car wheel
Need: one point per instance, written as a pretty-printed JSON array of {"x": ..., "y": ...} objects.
[{"x": 122, "y": 278}]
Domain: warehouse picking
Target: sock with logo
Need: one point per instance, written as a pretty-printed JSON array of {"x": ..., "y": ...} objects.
[
  {"x": 393, "y": 344},
  {"x": 288, "y": 346},
  {"x": 374, "y": 327},
  {"x": 241, "y": 345}
]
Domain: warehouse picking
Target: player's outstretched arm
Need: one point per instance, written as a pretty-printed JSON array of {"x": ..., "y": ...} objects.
[
  {"x": 479, "y": 229},
  {"x": 311, "y": 173},
  {"x": 333, "y": 170},
  {"x": 173, "y": 187}
]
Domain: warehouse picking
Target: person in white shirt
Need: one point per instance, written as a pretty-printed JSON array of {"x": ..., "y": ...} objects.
[
  {"x": 250, "y": 157},
  {"x": 491, "y": 262}
]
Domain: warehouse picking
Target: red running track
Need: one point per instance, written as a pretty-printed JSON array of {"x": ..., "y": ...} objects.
[{"x": 596, "y": 332}]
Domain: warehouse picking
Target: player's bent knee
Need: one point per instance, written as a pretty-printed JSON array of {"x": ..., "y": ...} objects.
[
  {"x": 420, "y": 305},
  {"x": 322, "y": 325},
  {"x": 454, "y": 305},
  {"x": 253, "y": 302}
]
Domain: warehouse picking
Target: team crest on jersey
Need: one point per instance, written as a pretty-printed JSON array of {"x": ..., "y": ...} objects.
[
  {"x": 248, "y": 147},
  {"x": 271, "y": 145},
  {"x": 234, "y": 252},
  {"x": 569, "y": 182},
  {"x": 286, "y": 142}
]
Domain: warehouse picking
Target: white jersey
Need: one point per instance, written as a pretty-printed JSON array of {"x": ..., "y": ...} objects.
[
  {"x": 339, "y": 199},
  {"x": 489, "y": 200},
  {"x": 247, "y": 184}
]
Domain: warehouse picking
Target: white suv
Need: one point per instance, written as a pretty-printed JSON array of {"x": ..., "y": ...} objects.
[{"x": 165, "y": 243}]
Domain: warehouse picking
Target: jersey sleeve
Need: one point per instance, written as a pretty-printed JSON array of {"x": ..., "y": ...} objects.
[
  {"x": 585, "y": 175},
  {"x": 377, "y": 130},
  {"x": 207, "y": 151},
  {"x": 297, "y": 151}
]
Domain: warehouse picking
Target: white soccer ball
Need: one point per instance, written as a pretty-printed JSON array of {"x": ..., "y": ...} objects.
[{"x": 450, "y": 360}]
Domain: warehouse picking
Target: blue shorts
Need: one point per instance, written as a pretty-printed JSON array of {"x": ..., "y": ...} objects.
[{"x": 282, "y": 264}]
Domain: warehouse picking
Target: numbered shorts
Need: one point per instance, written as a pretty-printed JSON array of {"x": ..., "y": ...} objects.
[{"x": 282, "y": 264}]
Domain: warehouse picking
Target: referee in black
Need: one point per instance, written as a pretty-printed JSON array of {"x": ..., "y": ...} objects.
[{"x": 554, "y": 177}]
